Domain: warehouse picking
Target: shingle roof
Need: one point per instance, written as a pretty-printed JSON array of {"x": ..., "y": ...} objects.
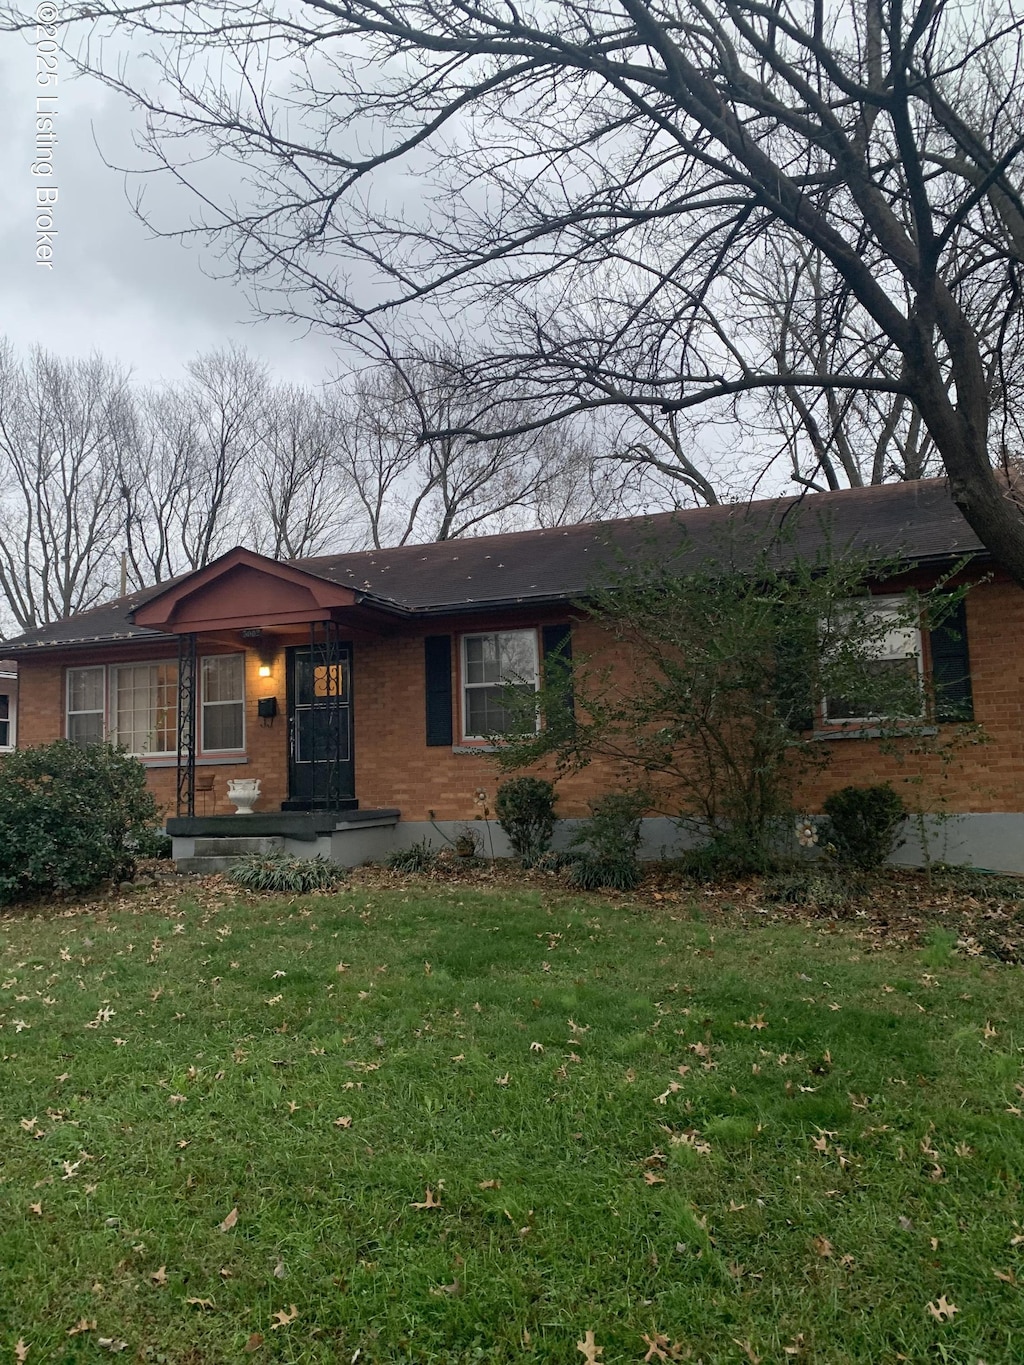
[{"x": 916, "y": 521}]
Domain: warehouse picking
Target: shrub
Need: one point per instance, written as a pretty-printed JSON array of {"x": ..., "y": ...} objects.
[
  {"x": 865, "y": 822},
  {"x": 525, "y": 807},
  {"x": 153, "y": 843},
  {"x": 806, "y": 887},
  {"x": 418, "y": 857},
  {"x": 728, "y": 855},
  {"x": 283, "y": 872},
  {"x": 609, "y": 843},
  {"x": 70, "y": 817}
]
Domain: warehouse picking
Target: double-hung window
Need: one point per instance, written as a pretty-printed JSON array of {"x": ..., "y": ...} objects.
[
  {"x": 144, "y": 707},
  {"x": 223, "y": 702},
  {"x": 7, "y": 710},
  {"x": 892, "y": 668},
  {"x": 86, "y": 703},
  {"x": 492, "y": 663}
]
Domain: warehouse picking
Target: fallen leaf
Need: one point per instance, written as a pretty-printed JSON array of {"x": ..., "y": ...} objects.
[
  {"x": 1007, "y": 1276},
  {"x": 652, "y": 1179},
  {"x": 112, "y": 1344},
  {"x": 82, "y": 1325},
  {"x": 21, "y": 1350},
  {"x": 254, "y": 1343},
  {"x": 655, "y": 1346},
  {"x": 942, "y": 1310},
  {"x": 200, "y": 1303},
  {"x": 344, "y": 1121},
  {"x": 430, "y": 1202},
  {"x": 37, "y": 1209},
  {"x": 230, "y": 1221},
  {"x": 490, "y": 1185},
  {"x": 159, "y": 1276},
  {"x": 284, "y": 1317},
  {"x": 589, "y": 1349},
  {"x": 822, "y": 1246},
  {"x": 279, "y": 1271},
  {"x": 989, "y": 1031},
  {"x": 752, "y": 1355}
]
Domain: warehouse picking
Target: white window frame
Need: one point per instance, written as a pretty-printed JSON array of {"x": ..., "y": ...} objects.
[
  {"x": 112, "y": 685},
  {"x": 9, "y": 681},
  {"x": 894, "y": 607},
  {"x": 203, "y": 703},
  {"x": 68, "y": 713},
  {"x": 465, "y": 685}
]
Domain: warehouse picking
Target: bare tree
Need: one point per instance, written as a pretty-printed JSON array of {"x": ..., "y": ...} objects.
[
  {"x": 303, "y": 503},
  {"x": 416, "y": 477},
  {"x": 591, "y": 180},
  {"x": 181, "y": 486},
  {"x": 63, "y": 426}
]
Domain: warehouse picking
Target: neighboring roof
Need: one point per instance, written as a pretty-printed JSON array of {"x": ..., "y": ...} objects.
[{"x": 915, "y": 521}]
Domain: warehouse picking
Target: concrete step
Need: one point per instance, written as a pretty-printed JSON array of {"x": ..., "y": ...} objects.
[
  {"x": 205, "y": 866},
  {"x": 229, "y": 847}
]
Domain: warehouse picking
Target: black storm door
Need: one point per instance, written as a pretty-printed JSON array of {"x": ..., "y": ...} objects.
[{"x": 321, "y": 771}]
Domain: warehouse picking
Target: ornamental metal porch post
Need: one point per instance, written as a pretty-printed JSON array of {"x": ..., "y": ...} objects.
[{"x": 186, "y": 725}]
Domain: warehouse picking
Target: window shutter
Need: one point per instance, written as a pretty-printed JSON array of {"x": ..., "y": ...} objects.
[
  {"x": 556, "y": 646},
  {"x": 794, "y": 677},
  {"x": 951, "y": 667},
  {"x": 437, "y": 658}
]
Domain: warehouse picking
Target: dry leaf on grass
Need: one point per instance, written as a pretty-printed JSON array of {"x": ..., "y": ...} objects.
[
  {"x": 344, "y": 1121},
  {"x": 490, "y": 1185},
  {"x": 159, "y": 1277},
  {"x": 589, "y": 1349},
  {"x": 751, "y": 1354},
  {"x": 230, "y": 1221},
  {"x": 254, "y": 1343},
  {"x": 822, "y": 1246},
  {"x": 657, "y": 1347},
  {"x": 21, "y": 1350},
  {"x": 279, "y": 1271},
  {"x": 942, "y": 1310},
  {"x": 82, "y": 1325},
  {"x": 205, "y": 1304},
  {"x": 430, "y": 1202},
  {"x": 283, "y": 1317}
]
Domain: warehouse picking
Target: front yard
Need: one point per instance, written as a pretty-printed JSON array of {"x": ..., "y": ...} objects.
[{"x": 424, "y": 1123}]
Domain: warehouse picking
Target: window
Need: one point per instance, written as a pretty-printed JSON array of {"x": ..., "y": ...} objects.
[
  {"x": 6, "y": 715},
  {"x": 144, "y": 705},
  {"x": 490, "y": 663},
  {"x": 85, "y": 705},
  {"x": 895, "y": 649},
  {"x": 223, "y": 702}
]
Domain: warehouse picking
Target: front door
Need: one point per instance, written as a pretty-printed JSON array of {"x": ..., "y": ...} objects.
[{"x": 321, "y": 771}]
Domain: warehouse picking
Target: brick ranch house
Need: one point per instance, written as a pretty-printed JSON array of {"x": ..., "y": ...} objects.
[{"x": 358, "y": 687}]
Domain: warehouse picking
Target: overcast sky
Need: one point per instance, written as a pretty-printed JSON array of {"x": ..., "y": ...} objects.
[{"x": 150, "y": 303}]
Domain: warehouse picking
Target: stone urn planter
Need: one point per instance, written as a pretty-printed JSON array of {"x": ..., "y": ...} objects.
[{"x": 243, "y": 793}]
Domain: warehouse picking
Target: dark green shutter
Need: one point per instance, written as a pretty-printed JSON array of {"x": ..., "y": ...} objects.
[
  {"x": 556, "y": 645},
  {"x": 951, "y": 667},
  {"x": 795, "y": 652},
  {"x": 437, "y": 658}
]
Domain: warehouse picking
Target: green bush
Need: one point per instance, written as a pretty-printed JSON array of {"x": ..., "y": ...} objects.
[
  {"x": 865, "y": 824},
  {"x": 418, "y": 857},
  {"x": 525, "y": 807},
  {"x": 70, "y": 817},
  {"x": 282, "y": 872},
  {"x": 608, "y": 843},
  {"x": 153, "y": 843},
  {"x": 726, "y": 856}
]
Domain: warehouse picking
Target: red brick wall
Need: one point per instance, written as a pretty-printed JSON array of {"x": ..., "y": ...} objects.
[{"x": 394, "y": 766}]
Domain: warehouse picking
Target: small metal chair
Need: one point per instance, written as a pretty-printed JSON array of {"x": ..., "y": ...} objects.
[{"x": 206, "y": 789}]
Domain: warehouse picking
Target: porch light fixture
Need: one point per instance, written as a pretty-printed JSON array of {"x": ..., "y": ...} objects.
[{"x": 265, "y": 670}]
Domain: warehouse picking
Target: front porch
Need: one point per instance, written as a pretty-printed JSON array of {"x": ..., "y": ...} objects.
[{"x": 212, "y": 843}]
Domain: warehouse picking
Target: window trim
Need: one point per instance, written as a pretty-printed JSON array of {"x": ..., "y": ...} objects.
[
  {"x": 893, "y": 603},
  {"x": 477, "y": 741},
  {"x": 203, "y": 703},
  {"x": 102, "y": 713},
  {"x": 12, "y": 712},
  {"x": 111, "y": 703}
]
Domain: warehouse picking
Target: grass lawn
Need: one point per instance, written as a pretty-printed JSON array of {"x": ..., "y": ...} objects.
[{"x": 424, "y": 1123}]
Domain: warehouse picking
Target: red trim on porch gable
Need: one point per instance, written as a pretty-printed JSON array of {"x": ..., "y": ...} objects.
[{"x": 242, "y": 589}]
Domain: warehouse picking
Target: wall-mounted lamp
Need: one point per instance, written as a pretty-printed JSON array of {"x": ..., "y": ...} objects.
[{"x": 265, "y": 670}]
